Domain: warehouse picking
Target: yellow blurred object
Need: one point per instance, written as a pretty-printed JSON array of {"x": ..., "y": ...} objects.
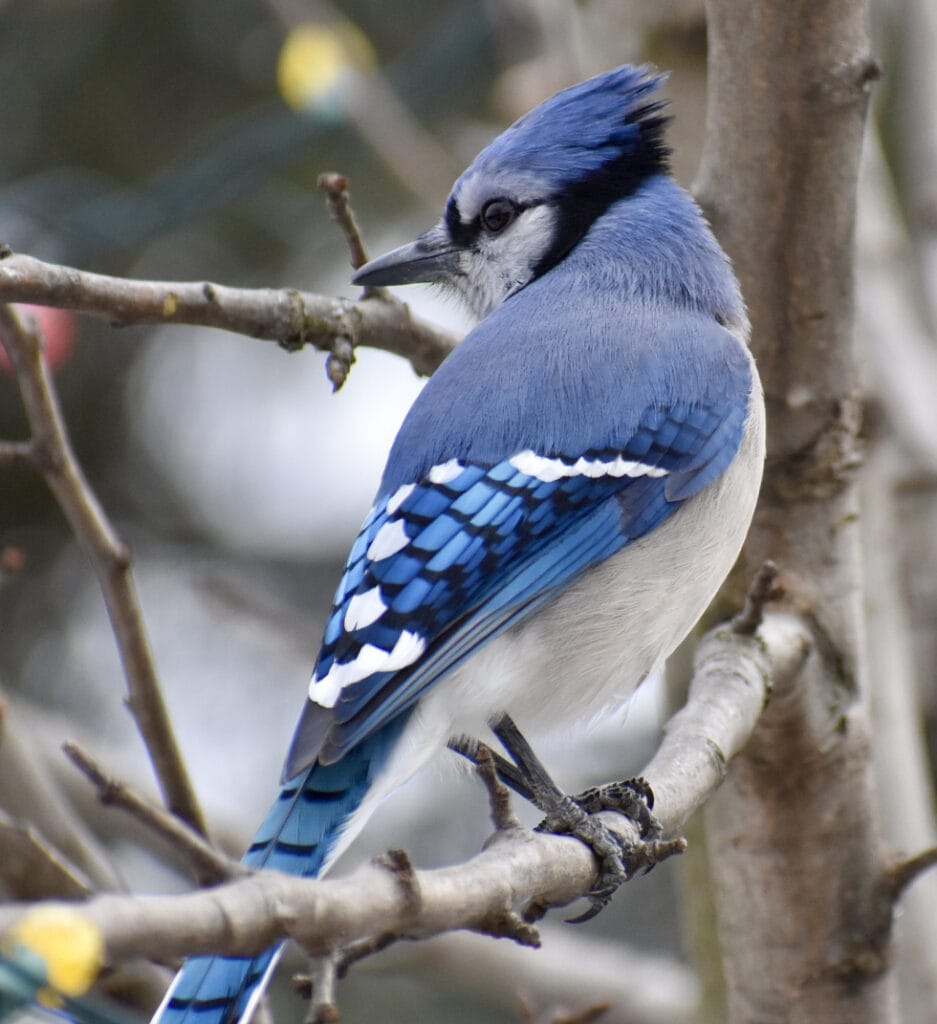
[
  {"x": 316, "y": 59},
  {"x": 71, "y": 949}
]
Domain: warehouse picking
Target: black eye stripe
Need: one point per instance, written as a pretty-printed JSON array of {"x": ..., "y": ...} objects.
[{"x": 466, "y": 235}]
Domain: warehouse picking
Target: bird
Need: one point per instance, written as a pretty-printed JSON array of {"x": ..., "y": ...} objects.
[{"x": 564, "y": 497}]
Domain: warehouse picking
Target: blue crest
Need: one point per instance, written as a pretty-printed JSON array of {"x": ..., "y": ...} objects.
[{"x": 606, "y": 126}]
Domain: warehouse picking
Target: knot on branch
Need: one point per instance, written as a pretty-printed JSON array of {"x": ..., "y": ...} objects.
[
  {"x": 764, "y": 588},
  {"x": 398, "y": 863},
  {"x": 851, "y": 80},
  {"x": 820, "y": 469},
  {"x": 508, "y": 925}
]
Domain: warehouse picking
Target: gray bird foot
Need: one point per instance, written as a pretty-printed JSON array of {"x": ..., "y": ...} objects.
[{"x": 618, "y": 859}]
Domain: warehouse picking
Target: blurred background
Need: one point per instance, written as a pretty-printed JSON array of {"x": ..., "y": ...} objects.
[{"x": 182, "y": 139}]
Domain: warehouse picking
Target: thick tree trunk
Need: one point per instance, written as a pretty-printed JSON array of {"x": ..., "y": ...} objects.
[{"x": 792, "y": 836}]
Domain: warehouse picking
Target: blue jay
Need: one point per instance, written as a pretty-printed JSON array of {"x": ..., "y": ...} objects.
[{"x": 563, "y": 499}]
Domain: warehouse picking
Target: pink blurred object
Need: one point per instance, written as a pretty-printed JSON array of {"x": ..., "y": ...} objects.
[{"x": 58, "y": 330}]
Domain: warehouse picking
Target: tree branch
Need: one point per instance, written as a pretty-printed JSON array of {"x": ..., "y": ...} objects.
[
  {"x": 208, "y": 865},
  {"x": 28, "y": 792},
  {"x": 290, "y": 317},
  {"x": 571, "y": 967},
  {"x": 109, "y": 558},
  {"x": 244, "y": 916},
  {"x": 31, "y": 868}
]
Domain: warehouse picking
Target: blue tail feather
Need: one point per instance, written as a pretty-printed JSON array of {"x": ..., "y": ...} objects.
[{"x": 297, "y": 836}]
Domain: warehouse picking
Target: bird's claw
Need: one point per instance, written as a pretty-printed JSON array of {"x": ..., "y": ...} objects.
[
  {"x": 633, "y": 798},
  {"x": 618, "y": 858}
]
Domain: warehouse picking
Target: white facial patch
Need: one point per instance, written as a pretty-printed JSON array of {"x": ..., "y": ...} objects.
[
  {"x": 363, "y": 609},
  {"x": 370, "y": 659},
  {"x": 503, "y": 263},
  {"x": 548, "y": 470},
  {"x": 390, "y": 538}
]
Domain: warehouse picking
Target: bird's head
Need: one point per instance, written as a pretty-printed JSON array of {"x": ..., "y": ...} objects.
[{"x": 531, "y": 195}]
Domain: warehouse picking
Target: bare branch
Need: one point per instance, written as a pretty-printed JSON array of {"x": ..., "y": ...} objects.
[
  {"x": 571, "y": 967},
  {"x": 388, "y": 898},
  {"x": 896, "y": 343},
  {"x": 29, "y": 792},
  {"x": 319, "y": 988},
  {"x": 31, "y": 868},
  {"x": 732, "y": 678},
  {"x": 904, "y": 872},
  {"x": 335, "y": 187},
  {"x": 287, "y": 316},
  {"x": 764, "y": 588},
  {"x": 208, "y": 865},
  {"x": 109, "y": 559},
  {"x": 584, "y": 1016}
]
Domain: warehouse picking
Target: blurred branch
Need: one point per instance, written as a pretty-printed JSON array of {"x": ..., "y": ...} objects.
[
  {"x": 905, "y": 779},
  {"x": 31, "y": 868},
  {"x": 29, "y": 792},
  {"x": 916, "y": 26},
  {"x": 569, "y": 968},
  {"x": 54, "y": 459},
  {"x": 208, "y": 865},
  {"x": 896, "y": 344},
  {"x": 242, "y": 917},
  {"x": 287, "y": 316},
  {"x": 17, "y": 455}
]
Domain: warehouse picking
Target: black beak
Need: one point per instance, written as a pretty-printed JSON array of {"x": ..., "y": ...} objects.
[{"x": 430, "y": 258}]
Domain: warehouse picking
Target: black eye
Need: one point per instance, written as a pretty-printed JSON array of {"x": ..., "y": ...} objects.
[{"x": 497, "y": 214}]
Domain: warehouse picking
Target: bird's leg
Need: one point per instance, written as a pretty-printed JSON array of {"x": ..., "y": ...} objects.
[
  {"x": 508, "y": 773},
  {"x": 570, "y": 815}
]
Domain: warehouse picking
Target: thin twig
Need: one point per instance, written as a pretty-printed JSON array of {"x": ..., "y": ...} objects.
[
  {"x": 208, "y": 864},
  {"x": 290, "y": 317},
  {"x": 29, "y": 791},
  {"x": 902, "y": 874},
  {"x": 319, "y": 988},
  {"x": 584, "y": 1016},
  {"x": 763, "y": 589},
  {"x": 109, "y": 559},
  {"x": 360, "y": 950},
  {"x": 31, "y": 868},
  {"x": 505, "y": 924},
  {"x": 335, "y": 188}
]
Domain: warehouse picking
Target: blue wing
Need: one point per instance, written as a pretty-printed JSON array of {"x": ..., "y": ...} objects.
[{"x": 446, "y": 563}]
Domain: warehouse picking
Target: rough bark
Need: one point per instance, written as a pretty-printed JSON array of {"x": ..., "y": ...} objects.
[{"x": 793, "y": 836}]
